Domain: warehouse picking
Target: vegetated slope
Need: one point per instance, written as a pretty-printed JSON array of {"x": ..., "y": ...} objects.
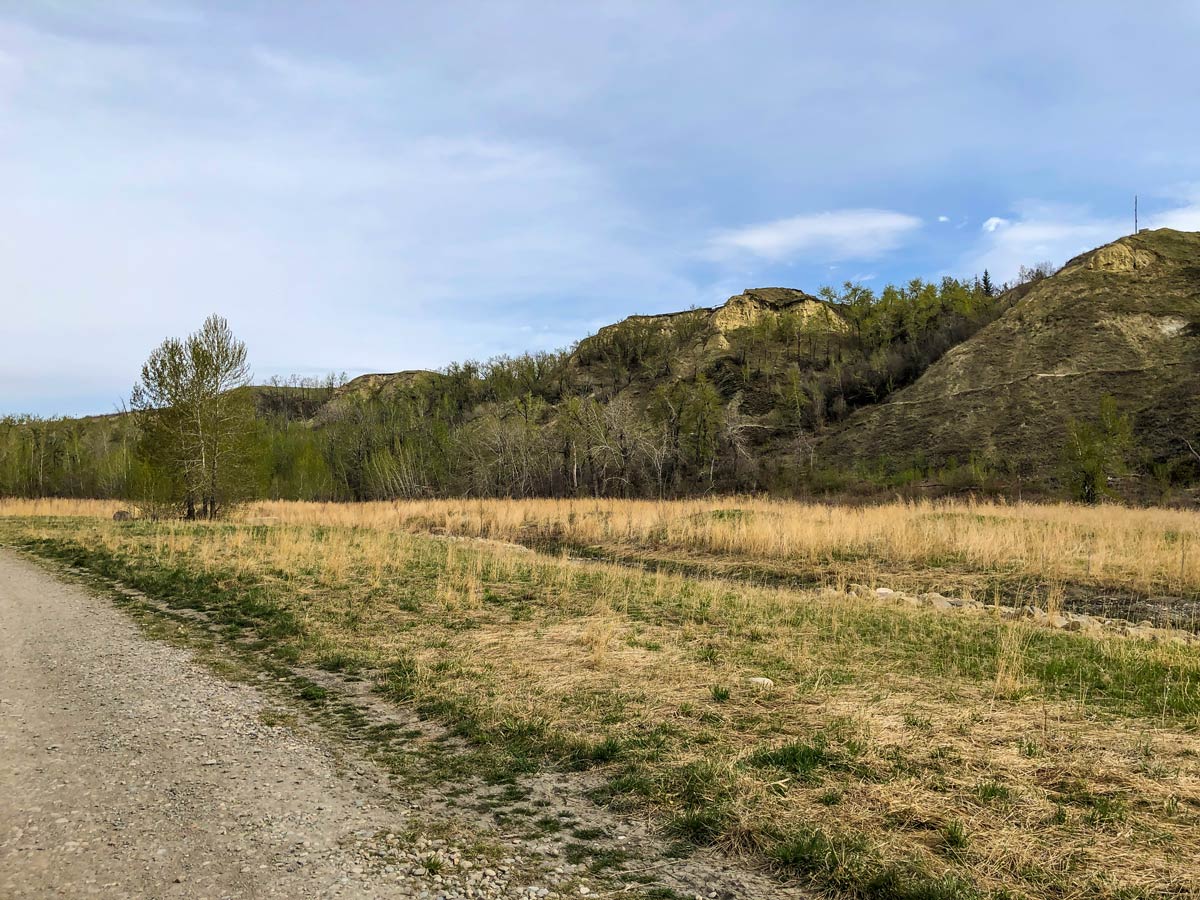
[
  {"x": 646, "y": 350},
  {"x": 380, "y": 386},
  {"x": 775, "y": 390},
  {"x": 690, "y": 341},
  {"x": 1122, "y": 320},
  {"x": 720, "y": 398}
]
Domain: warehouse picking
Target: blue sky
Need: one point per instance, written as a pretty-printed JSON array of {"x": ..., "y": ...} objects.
[{"x": 375, "y": 186}]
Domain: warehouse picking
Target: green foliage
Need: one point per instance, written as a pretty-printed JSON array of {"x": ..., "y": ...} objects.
[
  {"x": 641, "y": 349},
  {"x": 701, "y": 417},
  {"x": 798, "y": 758},
  {"x": 68, "y": 457},
  {"x": 848, "y": 864},
  {"x": 815, "y": 373},
  {"x": 196, "y": 420},
  {"x": 1097, "y": 452},
  {"x": 954, "y": 835}
]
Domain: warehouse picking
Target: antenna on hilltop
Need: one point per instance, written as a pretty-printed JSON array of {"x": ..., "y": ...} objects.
[{"x": 1135, "y": 231}]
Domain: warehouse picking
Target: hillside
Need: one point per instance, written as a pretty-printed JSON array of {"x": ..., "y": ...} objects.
[
  {"x": 774, "y": 390},
  {"x": 649, "y": 349},
  {"x": 1121, "y": 320},
  {"x": 708, "y": 330},
  {"x": 382, "y": 385}
]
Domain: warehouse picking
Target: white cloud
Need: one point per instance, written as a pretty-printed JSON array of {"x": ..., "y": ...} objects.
[
  {"x": 1037, "y": 233},
  {"x": 161, "y": 12},
  {"x": 324, "y": 249},
  {"x": 943, "y": 218},
  {"x": 1185, "y": 217},
  {"x": 840, "y": 234},
  {"x": 1052, "y": 233},
  {"x": 436, "y": 250}
]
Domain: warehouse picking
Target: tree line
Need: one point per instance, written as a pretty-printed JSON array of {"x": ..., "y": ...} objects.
[{"x": 641, "y": 410}]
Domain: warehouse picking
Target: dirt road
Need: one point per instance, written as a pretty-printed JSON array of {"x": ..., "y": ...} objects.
[
  {"x": 130, "y": 770},
  {"x": 127, "y": 770}
]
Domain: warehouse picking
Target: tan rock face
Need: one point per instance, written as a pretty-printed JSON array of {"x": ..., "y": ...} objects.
[
  {"x": 751, "y": 307},
  {"x": 745, "y": 309},
  {"x": 1145, "y": 330},
  {"x": 1120, "y": 257}
]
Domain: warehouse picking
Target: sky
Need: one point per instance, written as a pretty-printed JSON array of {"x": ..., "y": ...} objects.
[{"x": 378, "y": 186}]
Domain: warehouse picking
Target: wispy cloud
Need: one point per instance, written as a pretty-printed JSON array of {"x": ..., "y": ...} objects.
[
  {"x": 435, "y": 248},
  {"x": 1040, "y": 232},
  {"x": 307, "y": 75},
  {"x": 835, "y": 235},
  {"x": 1037, "y": 233},
  {"x": 1184, "y": 217},
  {"x": 161, "y": 12}
]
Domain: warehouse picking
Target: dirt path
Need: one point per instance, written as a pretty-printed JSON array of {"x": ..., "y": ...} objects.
[
  {"x": 130, "y": 770},
  {"x": 127, "y": 770}
]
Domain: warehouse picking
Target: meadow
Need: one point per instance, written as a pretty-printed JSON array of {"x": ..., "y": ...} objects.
[
  {"x": 716, "y": 673},
  {"x": 1138, "y": 549}
]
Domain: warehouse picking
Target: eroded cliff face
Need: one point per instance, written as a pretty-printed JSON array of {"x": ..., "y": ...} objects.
[
  {"x": 752, "y": 306},
  {"x": 1121, "y": 256},
  {"x": 712, "y": 325}
]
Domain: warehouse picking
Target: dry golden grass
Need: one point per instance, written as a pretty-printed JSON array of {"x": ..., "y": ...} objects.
[
  {"x": 1070, "y": 763},
  {"x": 1145, "y": 550},
  {"x": 92, "y": 509}
]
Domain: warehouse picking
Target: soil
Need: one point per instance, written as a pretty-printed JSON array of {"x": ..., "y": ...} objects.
[{"x": 129, "y": 769}]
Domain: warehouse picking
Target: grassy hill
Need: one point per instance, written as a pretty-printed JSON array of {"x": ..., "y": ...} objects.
[{"x": 1122, "y": 320}]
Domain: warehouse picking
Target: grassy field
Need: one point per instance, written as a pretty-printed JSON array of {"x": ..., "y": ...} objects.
[
  {"x": 899, "y": 751},
  {"x": 1021, "y": 547}
]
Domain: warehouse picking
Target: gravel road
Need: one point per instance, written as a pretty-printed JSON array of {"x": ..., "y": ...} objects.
[{"x": 128, "y": 770}]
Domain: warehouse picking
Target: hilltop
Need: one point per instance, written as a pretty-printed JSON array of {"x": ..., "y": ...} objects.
[
  {"x": 1122, "y": 320},
  {"x": 694, "y": 338},
  {"x": 710, "y": 328}
]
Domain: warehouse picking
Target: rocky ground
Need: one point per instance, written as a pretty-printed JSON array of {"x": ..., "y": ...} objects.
[
  {"x": 128, "y": 769},
  {"x": 1065, "y": 620}
]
